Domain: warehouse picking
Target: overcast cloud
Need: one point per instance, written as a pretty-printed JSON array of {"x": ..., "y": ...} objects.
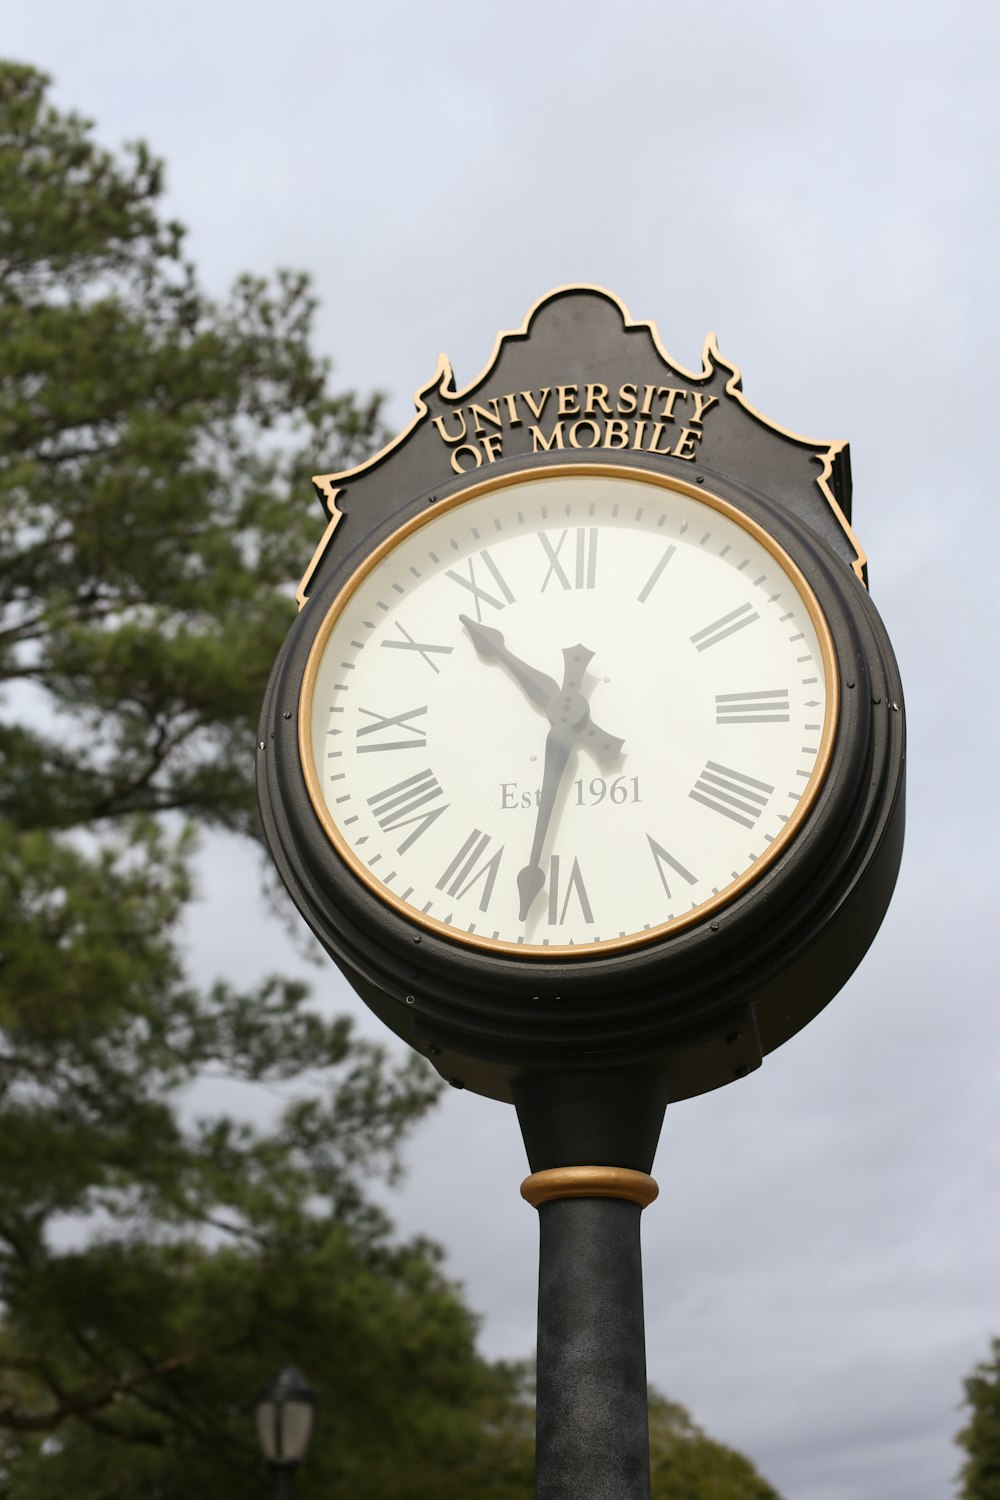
[{"x": 816, "y": 183}]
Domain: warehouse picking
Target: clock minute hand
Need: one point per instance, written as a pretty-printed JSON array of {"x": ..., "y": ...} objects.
[
  {"x": 542, "y": 689},
  {"x": 558, "y": 748},
  {"x": 569, "y": 715}
]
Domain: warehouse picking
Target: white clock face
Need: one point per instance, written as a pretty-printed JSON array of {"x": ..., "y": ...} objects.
[{"x": 568, "y": 709}]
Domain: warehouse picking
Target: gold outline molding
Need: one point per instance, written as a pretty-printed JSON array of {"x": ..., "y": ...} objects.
[
  {"x": 589, "y": 1182},
  {"x": 328, "y": 486},
  {"x": 734, "y": 387},
  {"x": 553, "y": 951}
]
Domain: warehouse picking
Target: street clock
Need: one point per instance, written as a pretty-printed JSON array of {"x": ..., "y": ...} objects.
[{"x": 585, "y": 752}]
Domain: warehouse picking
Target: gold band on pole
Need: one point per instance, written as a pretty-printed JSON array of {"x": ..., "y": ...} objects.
[{"x": 589, "y": 1182}]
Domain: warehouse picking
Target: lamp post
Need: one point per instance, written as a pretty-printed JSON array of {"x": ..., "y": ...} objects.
[{"x": 285, "y": 1412}]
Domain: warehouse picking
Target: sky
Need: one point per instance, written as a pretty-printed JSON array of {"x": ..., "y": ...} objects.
[{"x": 816, "y": 184}]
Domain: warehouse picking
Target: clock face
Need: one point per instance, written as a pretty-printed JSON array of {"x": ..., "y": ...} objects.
[{"x": 568, "y": 710}]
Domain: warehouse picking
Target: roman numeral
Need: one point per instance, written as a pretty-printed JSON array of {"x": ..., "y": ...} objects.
[
  {"x": 654, "y": 577},
  {"x": 662, "y": 859},
  {"x": 732, "y": 794},
  {"x": 423, "y": 648},
  {"x": 385, "y": 722},
  {"x": 770, "y": 706},
  {"x": 727, "y": 625},
  {"x": 399, "y": 806},
  {"x": 574, "y": 886},
  {"x": 461, "y": 875},
  {"x": 585, "y": 547},
  {"x": 480, "y": 594}
]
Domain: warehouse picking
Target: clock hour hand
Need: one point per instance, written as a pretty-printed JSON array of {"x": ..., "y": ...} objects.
[
  {"x": 538, "y": 686},
  {"x": 542, "y": 689}
]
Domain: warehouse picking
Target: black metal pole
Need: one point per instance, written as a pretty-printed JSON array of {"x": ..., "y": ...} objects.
[
  {"x": 590, "y": 1138},
  {"x": 284, "y": 1479},
  {"x": 592, "y": 1424}
]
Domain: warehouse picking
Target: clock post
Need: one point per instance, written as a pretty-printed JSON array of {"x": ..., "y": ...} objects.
[
  {"x": 590, "y": 1139},
  {"x": 584, "y": 761}
]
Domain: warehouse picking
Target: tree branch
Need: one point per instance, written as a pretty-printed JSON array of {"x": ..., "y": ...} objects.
[{"x": 80, "y": 1405}]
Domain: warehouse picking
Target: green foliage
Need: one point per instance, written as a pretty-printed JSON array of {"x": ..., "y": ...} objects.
[
  {"x": 406, "y": 1407},
  {"x": 980, "y": 1437},
  {"x": 154, "y": 453}
]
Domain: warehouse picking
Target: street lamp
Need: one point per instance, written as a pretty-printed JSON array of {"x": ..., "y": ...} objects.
[{"x": 285, "y": 1411}]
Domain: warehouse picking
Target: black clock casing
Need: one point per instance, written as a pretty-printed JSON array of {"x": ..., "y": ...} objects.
[{"x": 701, "y": 1005}]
